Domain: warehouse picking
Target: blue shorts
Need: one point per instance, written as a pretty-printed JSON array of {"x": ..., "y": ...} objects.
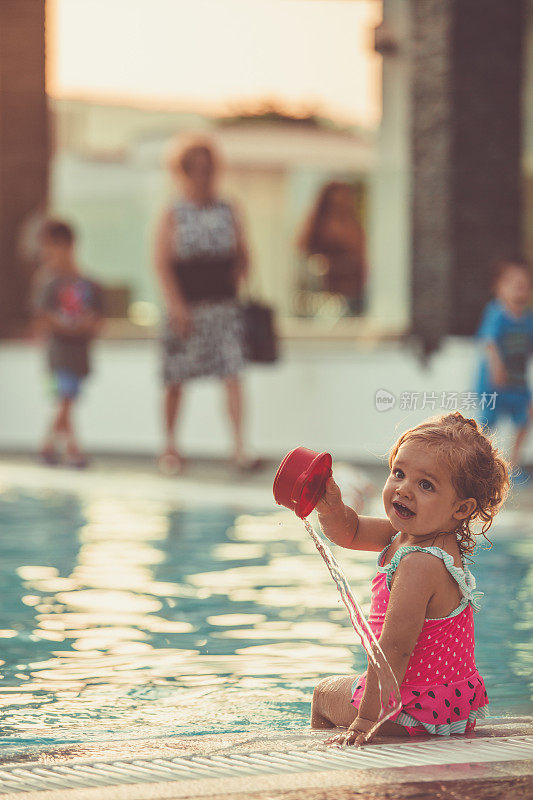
[
  {"x": 513, "y": 403},
  {"x": 66, "y": 383}
]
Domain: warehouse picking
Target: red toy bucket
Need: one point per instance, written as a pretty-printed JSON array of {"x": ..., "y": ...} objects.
[{"x": 301, "y": 479}]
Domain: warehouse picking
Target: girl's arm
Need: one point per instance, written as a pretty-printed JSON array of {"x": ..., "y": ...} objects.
[
  {"x": 413, "y": 586},
  {"x": 56, "y": 324},
  {"x": 342, "y": 525},
  {"x": 489, "y": 333},
  {"x": 90, "y": 325},
  {"x": 497, "y": 369}
]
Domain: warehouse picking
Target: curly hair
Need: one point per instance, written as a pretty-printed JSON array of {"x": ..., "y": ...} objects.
[{"x": 476, "y": 467}]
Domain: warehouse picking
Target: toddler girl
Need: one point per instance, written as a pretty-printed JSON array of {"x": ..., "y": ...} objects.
[{"x": 444, "y": 476}]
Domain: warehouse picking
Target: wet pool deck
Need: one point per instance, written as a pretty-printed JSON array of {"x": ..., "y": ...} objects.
[
  {"x": 207, "y": 481},
  {"x": 214, "y": 483},
  {"x": 483, "y": 778}
]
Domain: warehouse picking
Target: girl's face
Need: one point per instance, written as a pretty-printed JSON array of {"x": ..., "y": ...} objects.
[
  {"x": 57, "y": 255},
  {"x": 418, "y": 496}
]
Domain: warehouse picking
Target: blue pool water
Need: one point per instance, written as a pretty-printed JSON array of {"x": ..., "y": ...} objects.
[{"x": 124, "y": 619}]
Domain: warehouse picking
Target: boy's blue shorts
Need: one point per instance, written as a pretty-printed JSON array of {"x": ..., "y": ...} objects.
[
  {"x": 513, "y": 403},
  {"x": 66, "y": 383}
]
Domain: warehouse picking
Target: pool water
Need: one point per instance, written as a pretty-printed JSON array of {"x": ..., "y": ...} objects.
[{"x": 124, "y": 619}]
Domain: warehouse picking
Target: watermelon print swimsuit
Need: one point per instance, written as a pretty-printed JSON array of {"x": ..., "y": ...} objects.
[{"x": 442, "y": 692}]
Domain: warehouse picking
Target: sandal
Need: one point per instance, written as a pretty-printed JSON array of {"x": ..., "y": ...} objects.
[
  {"x": 248, "y": 465},
  {"x": 77, "y": 462},
  {"x": 170, "y": 464},
  {"x": 49, "y": 457}
]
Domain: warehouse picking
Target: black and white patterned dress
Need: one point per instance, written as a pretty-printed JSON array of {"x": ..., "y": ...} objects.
[{"x": 204, "y": 266}]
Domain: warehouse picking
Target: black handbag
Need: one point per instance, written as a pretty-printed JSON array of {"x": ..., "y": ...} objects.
[{"x": 260, "y": 339}]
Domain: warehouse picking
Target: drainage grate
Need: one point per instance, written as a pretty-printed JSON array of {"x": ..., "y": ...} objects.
[{"x": 19, "y": 778}]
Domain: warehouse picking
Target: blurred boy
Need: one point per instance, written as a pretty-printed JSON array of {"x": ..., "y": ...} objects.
[
  {"x": 507, "y": 332},
  {"x": 71, "y": 309}
]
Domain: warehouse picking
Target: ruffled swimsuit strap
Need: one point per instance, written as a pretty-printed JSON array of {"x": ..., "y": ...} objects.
[{"x": 462, "y": 575}]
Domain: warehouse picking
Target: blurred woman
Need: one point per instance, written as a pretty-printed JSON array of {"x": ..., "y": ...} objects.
[
  {"x": 200, "y": 259},
  {"x": 333, "y": 231}
]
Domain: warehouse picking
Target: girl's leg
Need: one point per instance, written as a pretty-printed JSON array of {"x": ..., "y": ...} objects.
[
  {"x": 332, "y": 707},
  {"x": 73, "y": 450},
  {"x": 55, "y": 430},
  {"x": 62, "y": 427}
]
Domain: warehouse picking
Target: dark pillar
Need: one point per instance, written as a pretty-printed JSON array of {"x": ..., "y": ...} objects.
[
  {"x": 23, "y": 146},
  {"x": 466, "y": 136},
  {"x": 432, "y": 250}
]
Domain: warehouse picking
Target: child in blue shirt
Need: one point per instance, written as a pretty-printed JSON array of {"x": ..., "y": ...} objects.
[
  {"x": 507, "y": 333},
  {"x": 70, "y": 307}
]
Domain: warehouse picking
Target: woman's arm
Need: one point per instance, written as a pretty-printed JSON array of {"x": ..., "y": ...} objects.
[
  {"x": 414, "y": 584},
  {"x": 242, "y": 266},
  {"x": 343, "y": 526},
  {"x": 175, "y": 302}
]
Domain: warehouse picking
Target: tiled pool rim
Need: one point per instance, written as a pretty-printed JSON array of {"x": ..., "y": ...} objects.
[{"x": 21, "y": 778}]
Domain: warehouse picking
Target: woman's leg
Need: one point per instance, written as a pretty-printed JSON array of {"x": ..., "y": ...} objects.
[
  {"x": 170, "y": 460},
  {"x": 235, "y": 412}
]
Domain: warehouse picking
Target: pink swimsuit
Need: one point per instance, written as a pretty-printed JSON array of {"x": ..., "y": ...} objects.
[{"x": 442, "y": 692}]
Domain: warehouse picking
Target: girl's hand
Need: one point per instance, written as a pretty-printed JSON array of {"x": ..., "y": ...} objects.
[
  {"x": 331, "y": 501},
  {"x": 357, "y": 734},
  {"x": 87, "y": 325},
  {"x": 338, "y": 522},
  {"x": 499, "y": 374}
]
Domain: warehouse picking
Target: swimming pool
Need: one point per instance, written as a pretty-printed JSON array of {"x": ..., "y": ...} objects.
[{"x": 125, "y": 619}]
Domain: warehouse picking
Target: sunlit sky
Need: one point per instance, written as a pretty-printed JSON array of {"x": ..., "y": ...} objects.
[{"x": 218, "y": 55}]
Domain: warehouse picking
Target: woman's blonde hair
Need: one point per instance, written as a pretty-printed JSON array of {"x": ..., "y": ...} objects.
[{"x": 476, "y": 467}]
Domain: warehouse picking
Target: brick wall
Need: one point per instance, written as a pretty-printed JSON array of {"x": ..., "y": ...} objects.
[
  {"x": 23, "y": 145},
  {"x": 466, "y": 148}
]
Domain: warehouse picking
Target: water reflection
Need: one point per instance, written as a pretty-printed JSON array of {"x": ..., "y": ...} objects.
[{"x": 125, "y": 619}]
